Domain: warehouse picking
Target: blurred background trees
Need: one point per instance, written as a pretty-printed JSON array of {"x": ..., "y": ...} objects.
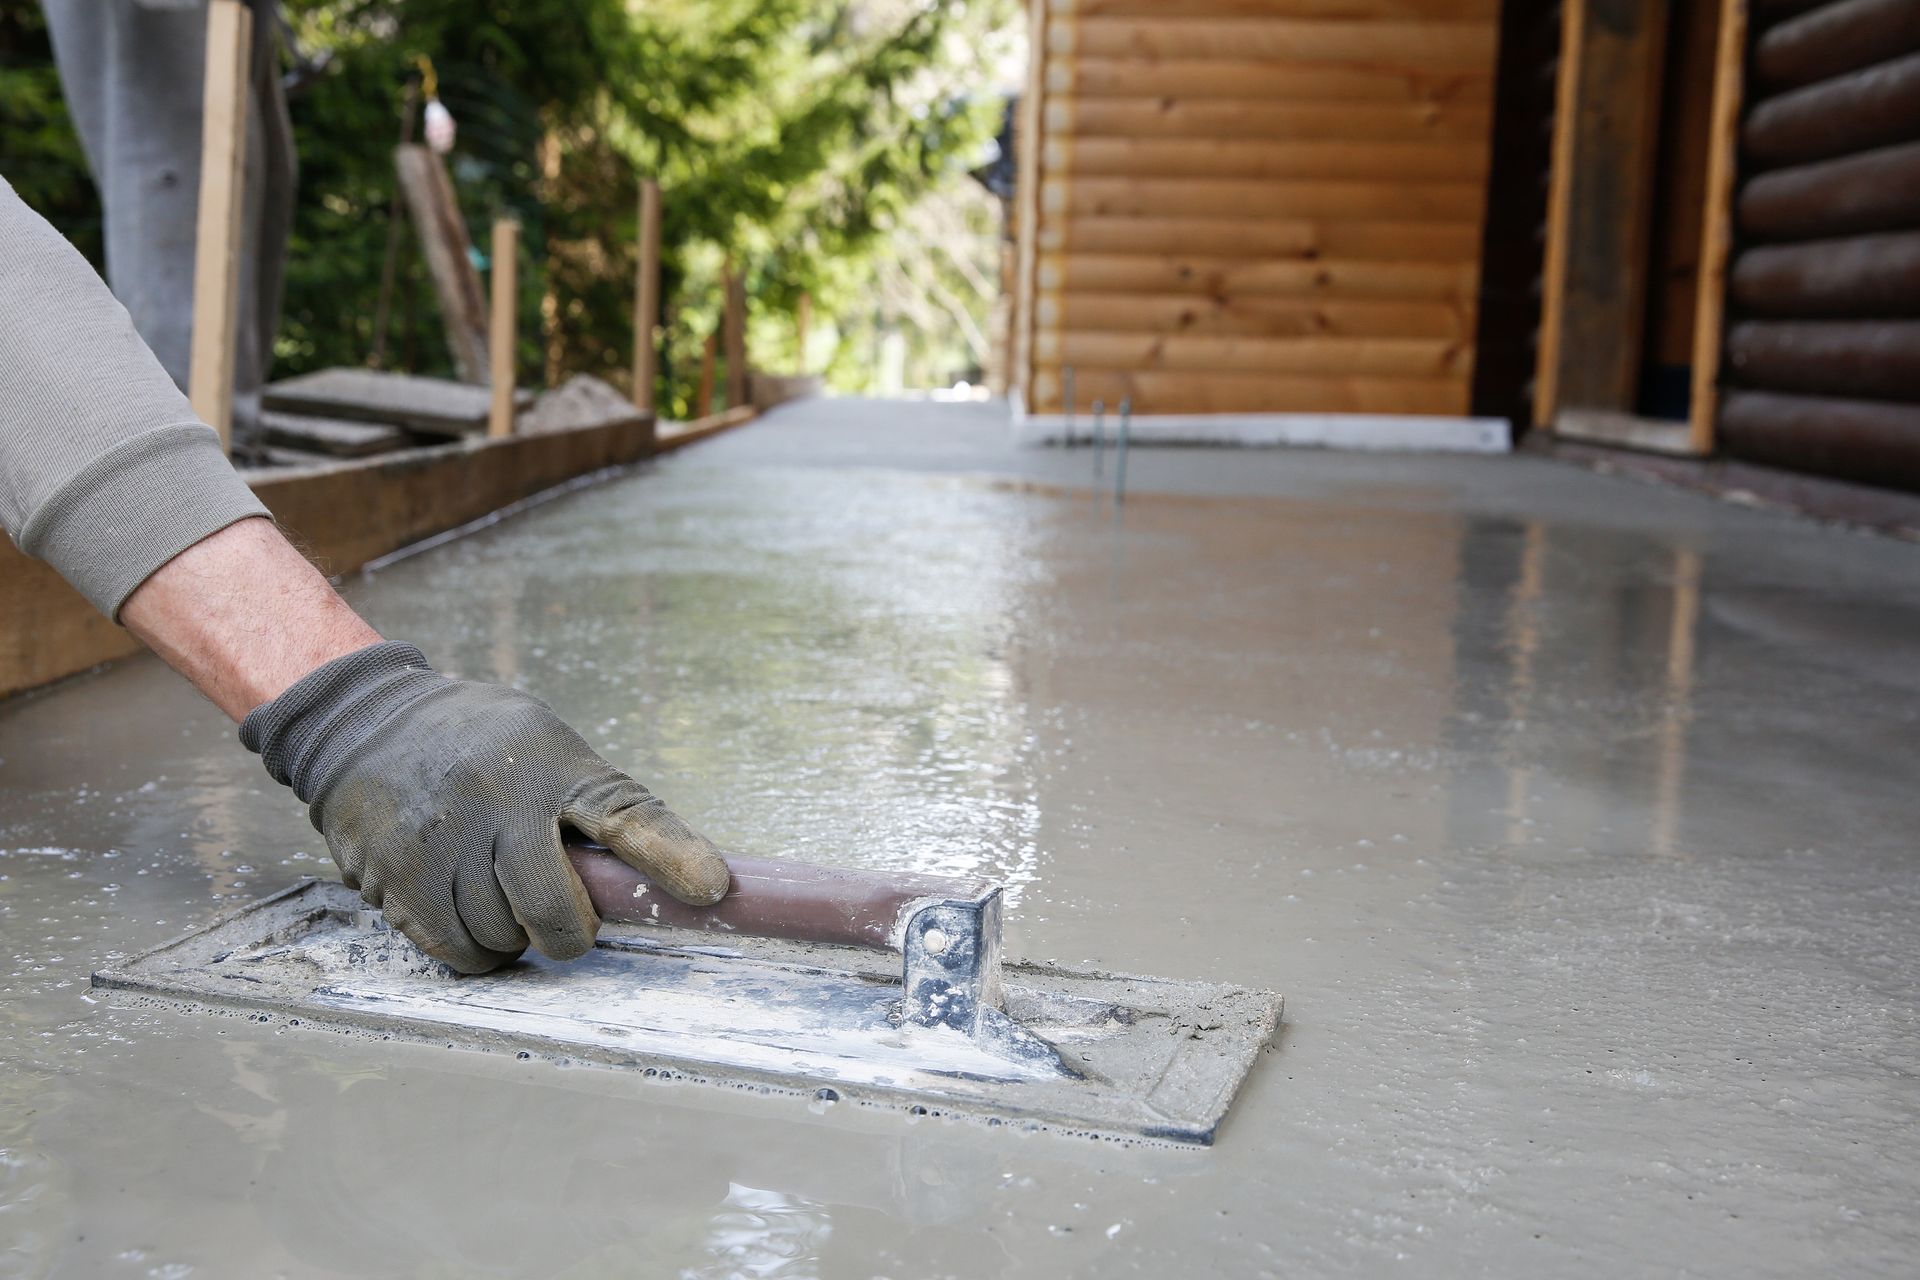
[{"x": 823, "y": 145}]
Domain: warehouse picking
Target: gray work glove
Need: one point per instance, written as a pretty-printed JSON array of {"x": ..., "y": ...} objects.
[{"x": 442, "y": 800}]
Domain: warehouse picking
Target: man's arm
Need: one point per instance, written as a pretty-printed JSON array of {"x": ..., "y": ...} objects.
[
  {"x": 243, "y": 615},
  {"x": 441, "y": 799},
  {"x": 105, "y": 471}
]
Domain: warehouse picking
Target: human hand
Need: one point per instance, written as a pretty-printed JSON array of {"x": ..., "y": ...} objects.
[{"x": 442, "y": 800}]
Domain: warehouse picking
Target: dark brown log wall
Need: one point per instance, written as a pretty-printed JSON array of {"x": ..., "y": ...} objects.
[{"x": 1823, "y": 352}]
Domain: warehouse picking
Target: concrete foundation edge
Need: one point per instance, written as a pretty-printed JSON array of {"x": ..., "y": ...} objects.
[
  {"x": 341, "y": 514},
  {"x": 1413, "y": 433}
]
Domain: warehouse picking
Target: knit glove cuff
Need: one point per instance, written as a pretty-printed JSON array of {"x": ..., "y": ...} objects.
[{"x": 307, "y": 733}]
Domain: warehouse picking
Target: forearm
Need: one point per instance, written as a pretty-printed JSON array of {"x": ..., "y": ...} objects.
[{"x": 243, "y": 615}]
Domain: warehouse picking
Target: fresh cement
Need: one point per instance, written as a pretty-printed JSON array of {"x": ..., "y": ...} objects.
[{"x": 1575, "y": 819}]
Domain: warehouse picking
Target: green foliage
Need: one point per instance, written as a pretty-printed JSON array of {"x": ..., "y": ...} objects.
[{"x": 796, "y": 136}]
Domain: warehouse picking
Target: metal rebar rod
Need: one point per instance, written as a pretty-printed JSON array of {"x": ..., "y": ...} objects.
[
  {"x": 1120, "y": 451},
  {"x": 1066, "y": 431}
]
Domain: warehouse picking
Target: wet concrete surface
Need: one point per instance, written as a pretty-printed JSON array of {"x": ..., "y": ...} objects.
[{"x": 1575, "y": 818}]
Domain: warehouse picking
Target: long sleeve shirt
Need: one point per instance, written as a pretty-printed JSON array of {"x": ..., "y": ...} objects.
[{"x": 106, "y": 473}]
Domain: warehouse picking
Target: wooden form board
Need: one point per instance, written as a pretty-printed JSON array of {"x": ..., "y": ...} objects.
[
  {"x": 1244, "y": 206},
  {"x": 217, "y": 233},
  {"x": 449, "y": 253}
]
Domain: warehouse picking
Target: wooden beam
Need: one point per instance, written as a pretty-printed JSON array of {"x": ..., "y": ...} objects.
[
  {"x": 1453, "y": 241},
  {"x": 1275, "y": 79},
  {"x": 1248, "y": 118},
  {"x": 1202, "y": 197},
  {"x": 1716, "y": 231},
  {"x": 449, "y": 253},
  {"x": 1158, "y": 391},
  {"x": 1553, "y": 272},
  {"x": 1260, "y": 317},
  {"x": 646, "y": 298},
  {"x": 1451, "y": 10},
  {"x": 1253, "y": 276},
  {"x": 504, "y": 329},
  {"x": 1374, "y": 357},
  {"x": 1840, "y": 279},
  {"x": 1412, "y": 46},
  {"x": 703, "y": 390},
  {"x": 1029, "y": 146},
  {"x": 1350, "y": 159},
  {"x": 217, "y": 231}
]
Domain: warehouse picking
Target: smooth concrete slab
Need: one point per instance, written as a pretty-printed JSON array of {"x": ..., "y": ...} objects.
[{"x": 1574, "y": 816}]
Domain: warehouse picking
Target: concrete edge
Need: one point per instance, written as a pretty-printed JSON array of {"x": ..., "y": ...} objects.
[{"x": 1413, "y": 433}]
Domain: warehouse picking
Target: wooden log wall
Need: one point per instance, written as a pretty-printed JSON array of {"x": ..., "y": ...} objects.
[
  {"x": 1255, "y": 205},
  {"x": 1823, "y": 357}
]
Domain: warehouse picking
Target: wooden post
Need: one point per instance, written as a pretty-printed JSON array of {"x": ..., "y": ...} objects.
[
  {"x": 216, "y": 249},
  {"x": 733, "y": 324},
  {"x": 802, "y": 322},
  {"x": 502, "y": 332},
  {"x": 703, "y": 394},
  {"x": 1716, "y": 235},
  {"x": 646, "y": 297}
]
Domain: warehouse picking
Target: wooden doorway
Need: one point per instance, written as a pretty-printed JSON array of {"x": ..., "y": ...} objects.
[{"x": 1639, "y": 217}]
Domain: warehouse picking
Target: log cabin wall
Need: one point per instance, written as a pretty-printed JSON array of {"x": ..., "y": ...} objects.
[
  {"x": 1254, "y": 206},
  {"x": 1823, "y": 355}
]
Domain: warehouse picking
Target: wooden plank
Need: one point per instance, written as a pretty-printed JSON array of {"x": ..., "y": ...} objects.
[
  {"x": 703, "y": 389},
  {"x": 1854, "y": 195},
  {"x": 1854, "y": 278},
  {"x": 216, "y": 260},
  {"x": 1253, "y": 317},
  {"x": 1328, "y": 357},
  {"x": 1155, "y": 391},
  {"x": 1030, "y": 159},
  {"x": 1716, "y": 232},
  {"x": 1275, "y": 79},
  {"x": 1147, "y": 197},
  {"x": 1242, "y": 118},
  {"x": 646, "y": 298},
  {"x": 1429, "y": 10},
  {"x": 1553, "y": 270},
  {"x": 1686, "y": 142},
  {"x": 1413, "y": 46},
  {"x": 449, "y": 253},
  {"x": 1599, "y": 259},
  {"x": 434, "y": 406},
  {"x": 336, "y": 436},
  {"x": 1250, "y": 276},
  {"x": 1151, "y": 158},
  {"x": 1875, "y": 107},
  {"x": 1833, "y": 40},
  {"x": 1399, "y": 240},
  {"x": 503, "y": 326}
]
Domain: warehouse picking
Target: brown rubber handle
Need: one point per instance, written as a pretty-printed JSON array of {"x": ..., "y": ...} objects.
[{"x": 773, "y": 899}]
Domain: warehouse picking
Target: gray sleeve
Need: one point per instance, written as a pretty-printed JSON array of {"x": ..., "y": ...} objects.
[{"x": 105, "y": 472}]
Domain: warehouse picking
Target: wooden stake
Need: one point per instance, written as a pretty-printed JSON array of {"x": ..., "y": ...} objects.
[
  {"x": 1716, "y": 235},
  {"x": 733, "y": 318},
  {"x": 216, "y": 261},
  {"x": 703, "y": 394},
  {"x": 802, "y": 322},
  {"x": 646, "y": 297},
  {"x": 502, "y": 331}
]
